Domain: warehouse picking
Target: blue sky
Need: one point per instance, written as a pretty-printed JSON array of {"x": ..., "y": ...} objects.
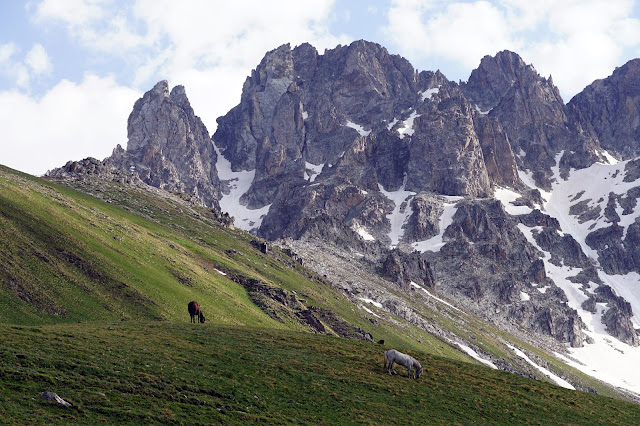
[{"x": 70, "y": 70}]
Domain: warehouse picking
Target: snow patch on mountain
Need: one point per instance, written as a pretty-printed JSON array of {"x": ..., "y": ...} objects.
[
  {"x": 558, "y": 380},
  {"x": 473, "y": 354},
  {"x": 407, "y": 126},
  {"x": 436, "y": 243},
  {"x": 358, "y": 128},
  {"x": 362, "y": 231},
  {"x": 507, "y": 197},
  {"x": 626, "y": 286},
  {"x": 444, "y": 302},
  {"x": 312, "y": 171},
  {"x": 400, "y": 213},
  {"x": 560, "y": 275},
  {"x": 428, "y": 94},
  {"x": 369, "y": 311},
  {"x": 527, "y": 178},
  {"x": 609, "y": 360},
  {"x": 592, "y": 187},
  {"x": 610, "y": 158},
  {"x": 373, "y": 302},
  {"x": 482, "y": 112},
  {"x": 238, "y": 184}
]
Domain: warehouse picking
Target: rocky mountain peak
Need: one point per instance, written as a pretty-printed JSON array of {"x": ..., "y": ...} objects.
[
  {"x": 416, "y": 173},
  {"x": 359, "y": 116},
  {"x": 168, "y": 148},
  {"x": 528, "y": 107},
  {"x": 178, "y": 96},
  {"x": 160, "y": 89},
  {"x": 494, "y": 76},
  {"x": 610, "y": 109}
]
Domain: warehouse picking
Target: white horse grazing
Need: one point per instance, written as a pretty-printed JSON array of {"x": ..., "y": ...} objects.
[{"x": 408, "y": 361}]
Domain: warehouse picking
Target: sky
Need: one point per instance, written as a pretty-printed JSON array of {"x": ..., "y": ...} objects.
[{"x": 71, "y": 70}]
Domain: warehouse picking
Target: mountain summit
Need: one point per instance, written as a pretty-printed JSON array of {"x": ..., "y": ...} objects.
[{"x": 168, "y": 148}]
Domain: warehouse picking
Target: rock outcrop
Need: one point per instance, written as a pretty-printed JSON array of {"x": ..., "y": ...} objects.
[
  {"x": 610, "y": 108},
  {"x": 528, "y": 106},
  {"x": 168, "y": 148}
]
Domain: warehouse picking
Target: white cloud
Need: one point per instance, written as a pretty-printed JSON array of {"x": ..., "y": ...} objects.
[
  {"x": 590, "y": 38},
  {"x": 208, "y": 47},
  {"x": 38, "y": 60},
  {"x": 6, "y": 52},
  {"x": 459, "y": 32},
  {"x": 10, "y": 67},
  {"x": 103, "y": 26},
  {"x": 70, "y": 122},
  {"x": 214, "y": 47},
  {"x": 576, "y": 61},
  {"x": 74, "y": 13}
]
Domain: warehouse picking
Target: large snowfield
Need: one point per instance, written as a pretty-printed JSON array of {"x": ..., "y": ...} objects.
[{"x": 607, "y": 359}]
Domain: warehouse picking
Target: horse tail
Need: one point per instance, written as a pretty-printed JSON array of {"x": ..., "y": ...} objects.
[{"x": 386, "y": 361}]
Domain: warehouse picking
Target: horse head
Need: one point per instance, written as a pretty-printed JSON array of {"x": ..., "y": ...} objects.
[{"x": 202, "y": 318}]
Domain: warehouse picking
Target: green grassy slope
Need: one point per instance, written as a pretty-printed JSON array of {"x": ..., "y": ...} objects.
[
  {"x": 68, "y": 257},
  {"x": 142, "y": 372}
]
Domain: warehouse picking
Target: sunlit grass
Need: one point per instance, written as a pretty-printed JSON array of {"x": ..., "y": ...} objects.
[{"x": 141, "y": 372}]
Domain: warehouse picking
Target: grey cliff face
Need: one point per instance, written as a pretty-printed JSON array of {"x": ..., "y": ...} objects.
[
  {"x": 492, "y": 79},
  {"x": 487, "y": 264},
  {"x": 367, "y": 119},
  {"x": 610, "y": 108},
  {"x": 168, "y": 148},
  {"x": 445, "y": 155},
  {"x": 528, "y": 107},
  {"x": 343, "y": 143}
]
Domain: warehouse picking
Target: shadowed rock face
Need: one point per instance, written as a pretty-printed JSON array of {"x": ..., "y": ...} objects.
[
  {"x": 528, "y": 107},
  {"x": 390, "y": 142},
  {"x": 610, "y": 108},
  {"x": 493, "y": 78}
]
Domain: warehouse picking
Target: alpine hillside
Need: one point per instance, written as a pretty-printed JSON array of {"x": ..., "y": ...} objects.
[
  {"x": 93, "y": 308},
  {"x": 492, "y": 196}
]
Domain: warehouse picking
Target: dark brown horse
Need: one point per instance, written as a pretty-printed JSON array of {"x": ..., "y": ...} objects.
[{"x": 195, "y": 312}]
